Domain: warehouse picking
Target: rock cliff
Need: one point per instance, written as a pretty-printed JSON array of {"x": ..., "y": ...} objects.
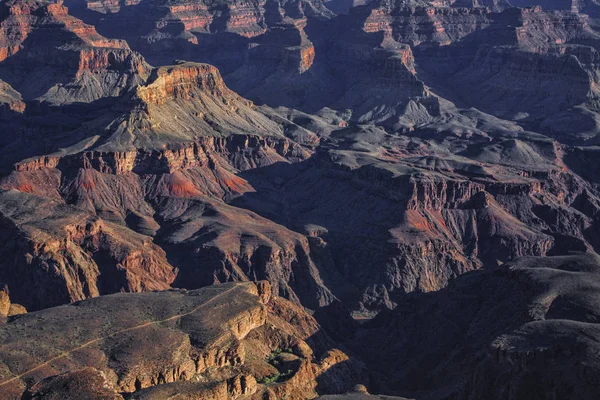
[{"x": 51, "y": 56}]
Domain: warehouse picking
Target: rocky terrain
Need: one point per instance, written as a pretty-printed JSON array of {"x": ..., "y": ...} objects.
[
  {"x": 525, "y": 330},
  {"x": 429, "y": 167},
  {"x": 222, "y": 342}
]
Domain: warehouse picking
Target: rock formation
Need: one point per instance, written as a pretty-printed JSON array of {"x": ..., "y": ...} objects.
[
  {"x": 53, "y": 57},
  {"x": 210, "y": 343},
  {"x": 405, "y": 159},
  {"x": 525, "y": 330},
  {"x": 118, "y": 190},
  {"x": 221, "y": 189}
]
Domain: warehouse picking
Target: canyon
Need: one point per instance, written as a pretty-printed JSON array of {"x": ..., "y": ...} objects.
[{"x": 375, "y": 199}]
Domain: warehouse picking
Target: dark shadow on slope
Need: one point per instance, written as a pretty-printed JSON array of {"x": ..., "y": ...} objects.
[
  {"x": 29, "y": 284},
  {"x": 40, "y": 65},
  {"x": 260, "y": 67},
  {"x": 124, "y": 23},
  {"x": 466, "y": 340},
  {"x": 490, "y": 70},
  {"x": 43, "y": 129},
  {"x": 346, "y": 219}
]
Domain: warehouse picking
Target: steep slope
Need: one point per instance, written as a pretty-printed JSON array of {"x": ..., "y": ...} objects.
[
  {"x": 528, "y": 65},
  {"x": 300, "y": 55},
  {"x": 377, "y": 188},
  {"x": 182, "y": 159},
  {"x": 429, "y": 165},
  {"x": 51, "y": 56},
  {"x": 410, "y": 212},
  {"x": 54, "y": 254},
  {"x": 168, "y": 155},
  {"x": 262, "y": 37}
]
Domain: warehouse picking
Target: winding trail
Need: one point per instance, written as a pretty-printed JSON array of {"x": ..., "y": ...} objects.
[{"x": 93, "y": 341}]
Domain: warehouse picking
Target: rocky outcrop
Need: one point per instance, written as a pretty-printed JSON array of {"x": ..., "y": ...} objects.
[
  {"x": 125, "y": 189},
  {"x": 432, "y": 195},
  {"x": 179, "y": 82},
  {"x": 491, "y": 69},
  {"x": 11, "y": 103},
  {"x": 435, "y": 225},
  {"x": 423, "y": 24},
  {"x": 88, "y": 382},
  {"x": 7, "y": 308},
  {"x": 366, "y": 171},
  {"x": 517, "y": 52},
  {"x": 60, "y": 255},
  {"x": 244, "y": 18},
  {"x": 244, "y": 152},
  {"x": 187, "y": 183},
  {"x": 207, "y": 347},
  {"x": 79, "y": 64},
  {"x": 380, "y": 184}
]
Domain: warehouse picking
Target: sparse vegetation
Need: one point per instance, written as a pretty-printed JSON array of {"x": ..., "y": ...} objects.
[
  {"x": 278, "y": 377},
  {"x": 273, "y": 360}
]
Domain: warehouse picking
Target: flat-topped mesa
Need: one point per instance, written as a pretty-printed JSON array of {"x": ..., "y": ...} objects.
[
  {"x": 185, "y": 117},
  {"x": 182, "y": 81}
]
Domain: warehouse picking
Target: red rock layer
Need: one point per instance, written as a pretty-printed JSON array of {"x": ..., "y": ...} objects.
[
  {"x": 21, "y": 18},
  {"x": 178, "y": 82}
]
